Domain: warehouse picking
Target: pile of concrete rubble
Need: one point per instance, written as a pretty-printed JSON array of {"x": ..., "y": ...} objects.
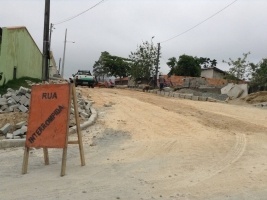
[{"x": 19, "y": 101}]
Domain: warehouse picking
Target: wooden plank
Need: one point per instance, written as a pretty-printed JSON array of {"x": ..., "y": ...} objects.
[
  {"x": 78, "y": 128},
  {"x": 25, "y": 160},
  {"x": 64, "y": 162},
  {"x": 64, "y": 155},
  {"x": 46, "y": 157}
]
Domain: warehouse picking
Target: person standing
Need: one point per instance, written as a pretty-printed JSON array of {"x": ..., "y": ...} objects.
[{"x": 161, "y": 82}]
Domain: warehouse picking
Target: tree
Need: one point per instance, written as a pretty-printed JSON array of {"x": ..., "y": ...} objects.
[
  {"x": 259, "y": 73},
  {"x": 143, "y": 61},
  {"x": 109, "y": 65},
  {"x": 185, "y": 66},
  {"x": 207, "y": 62},
  {"x": 118, "y": 66},
  {"x": 99, "y": 68},
  {"x": 239, "y": 68},
  {"x": 172, "y": 63}
]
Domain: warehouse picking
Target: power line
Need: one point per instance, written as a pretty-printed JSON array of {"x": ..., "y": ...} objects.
[
  {"x": 200, "y": 22},
  {"x": 70, "y": 18}
]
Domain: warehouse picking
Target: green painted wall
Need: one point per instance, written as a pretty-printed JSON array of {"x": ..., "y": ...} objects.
[{"x": 19, "y": 50}]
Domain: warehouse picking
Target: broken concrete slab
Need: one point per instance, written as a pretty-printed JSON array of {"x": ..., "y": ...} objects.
[
  {"x": 22, "y": 108},
  {"x": 24, "y": 129},
  {"x": 5, "y": 128},
  {"x": 9, "y": 136},
  {"x": 84, "y": 114},
  {"x": 20, "y": 124},
  {"x": 17, "y": 132},
  {"x": 235, "y": 92}
]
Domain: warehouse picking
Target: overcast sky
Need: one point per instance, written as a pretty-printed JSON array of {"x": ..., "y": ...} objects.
[{"x": 118, "y": 26}]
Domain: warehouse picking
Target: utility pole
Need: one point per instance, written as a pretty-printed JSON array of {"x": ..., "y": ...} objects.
[
  {"x": 46, "y": 41},
  {"x": 157, "y": 66},
  {"x": 63, "y": 62}
]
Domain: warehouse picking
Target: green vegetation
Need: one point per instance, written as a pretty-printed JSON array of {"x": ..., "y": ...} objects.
[
  {"x": 240, "y": 68},
  {"x": 15, "y": 84},
  {"x": 140, "y": 64},
  {"x": 185, "y": 66},
  {"x": 188, "y": 65},
  {"x": 109, "y": 65},
  {"x": 144, "y": 60}
]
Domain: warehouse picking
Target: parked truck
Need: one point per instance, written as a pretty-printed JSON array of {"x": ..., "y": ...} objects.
[{"x": 83, "y": 77}]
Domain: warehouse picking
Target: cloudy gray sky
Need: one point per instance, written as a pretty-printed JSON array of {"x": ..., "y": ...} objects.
[{"x": 118, "y": 26}]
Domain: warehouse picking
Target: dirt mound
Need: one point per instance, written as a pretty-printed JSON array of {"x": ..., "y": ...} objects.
[{"x": 256, "y": 97}]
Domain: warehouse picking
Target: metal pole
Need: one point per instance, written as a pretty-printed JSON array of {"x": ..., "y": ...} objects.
[
  {"x": 50, "y": 36},
  {"x": 157, "y": 66},
  {"x": 59, "y": 66},
  {"x": 63, "y": 62},
  {"x": 46, "y": 41}
]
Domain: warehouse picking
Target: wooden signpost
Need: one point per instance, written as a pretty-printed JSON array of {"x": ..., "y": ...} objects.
[{"x": 48, "y": 122}]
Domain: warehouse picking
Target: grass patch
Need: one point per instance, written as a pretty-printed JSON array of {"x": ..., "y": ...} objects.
[{"x": 15, "y": 84}]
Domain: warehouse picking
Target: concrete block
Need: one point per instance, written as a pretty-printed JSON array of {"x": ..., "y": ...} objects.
[
  {"x": 3, "y": 99},
  {"x": 188, "y": 96},
  {"x": 23, "y": 90},
  {"x": 24, "y": 129},
  {"x": 5, "y": 128},
  {"x": 3, "y": 108},
  {"x": 11, "y": 101},
  {"x": 23, "y": 99},
  {"x": 20, "y": 124},
  {"x": 88, "y": 103},
  {"x": 84, "y": 114},
  {"x": 195, "y": 98},
  {"x": 182, "y": 96},
  {"x": 72, "y": 110},
  {"x": 171, "y": 94},
  {"x": 17, "y": 137},
  {"x": 158, "y": 92},
  {"x": 13, "y": 107},
  {"x": 9, "y": 136},
  {"x": 17, "y": 132},
  {"x": 211, "y": 99},
  {"x": 9, "y": 109},
  {"x": 27, "y": 103},
  {"x": 28, "y": 95},
  {"x": 167, "y": 89},
  {"x": 176, "y": 95},
  {"x": 10, "y": 90},
  {"x": 3, "y": 102},
  {"x": 8, "y": 95},
  {"x": 166, "y": 93},
  {"x": 16, "y": 109},
  {"x": 6, "y": 143},
  {"x": 22, "y": 108},
  {"x": 203, "y": 98}
]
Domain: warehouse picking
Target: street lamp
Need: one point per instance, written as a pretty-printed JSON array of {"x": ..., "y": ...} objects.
[{"x": 63, "y": 62}]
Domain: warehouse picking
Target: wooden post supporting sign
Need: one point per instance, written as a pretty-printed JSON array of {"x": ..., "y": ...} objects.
[{"x": 48, "y": 122}]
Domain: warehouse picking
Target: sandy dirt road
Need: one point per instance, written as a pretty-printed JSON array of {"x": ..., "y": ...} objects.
[{"x": 146, "y": 146}]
